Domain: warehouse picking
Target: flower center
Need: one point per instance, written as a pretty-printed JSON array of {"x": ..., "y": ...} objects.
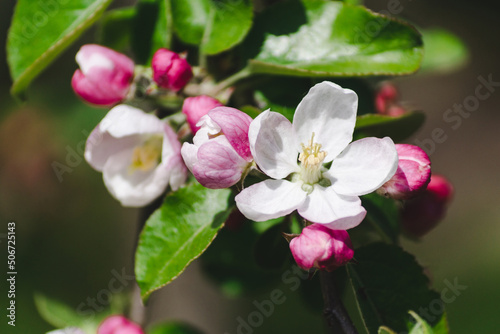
[
  {"x": 311, "y": 162},
  {"x": 148, "y": 155}
]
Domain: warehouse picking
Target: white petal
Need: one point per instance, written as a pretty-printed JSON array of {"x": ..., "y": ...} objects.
[
  {"x": 101, "y": 145},
  {"x": 363, "y": 166},
  {"x": 124, "y": 120},
  {"x": 270, "y": 199},
  {"x": 134, "y": 188},
  {"x": 273, "y": 144},
  {"x": 324, "y": 206},
  {"x": 329, "y": 111},
  {"x": 190, "y": 155}
]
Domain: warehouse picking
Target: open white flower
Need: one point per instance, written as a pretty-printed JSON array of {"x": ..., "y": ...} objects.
[
  {"x": 138, "y": 155},
  {"x": 297, "y": 156}
]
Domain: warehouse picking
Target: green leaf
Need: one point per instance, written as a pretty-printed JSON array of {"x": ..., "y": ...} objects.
[
  {"x": 116, "y": 28},
  {"x": 387, "y": 283},
  {"x": 152, "y": 29},
  {"x": 420, "y": 326},
  {"x": 444, "y": 52},
  {"x": 215, "y": 25},
  {"x": 61, "y": 315},
  {"x": 177, "y": 233},
  {"x": 336, "y": 39},
  {"x": 173, "y": 328},
  {"x": 398, "y": 128},
  {"x": 383, "y": 214},
  {"x": 41, "y": 31},
  {"x": 385, "y": 330}
]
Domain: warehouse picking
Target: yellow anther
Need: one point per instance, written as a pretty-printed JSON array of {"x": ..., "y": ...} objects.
[{"x": 148, "y": 155}]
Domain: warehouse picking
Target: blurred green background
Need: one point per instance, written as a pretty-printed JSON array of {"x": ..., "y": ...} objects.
[{"x": 72, "y": 236}]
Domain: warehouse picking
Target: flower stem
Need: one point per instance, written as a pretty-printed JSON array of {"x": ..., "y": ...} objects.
[
  {"x": 245, "y": 72},
  {"x": 334, "y": 312}
]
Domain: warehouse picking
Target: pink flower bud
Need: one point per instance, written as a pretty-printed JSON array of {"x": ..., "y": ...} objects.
[
  {"x": 411, "y": 177},
  {"x": 118, "y": 324},
  {"x": 220, "y": 152},
  {"x": 321, "y": 247},
  {"x": 196, "y": 107},
  {"x": 104, "y": 77},
  {"x": 422, "y": 214},
  {"x": 170, "y": 70},
  {"x": 386, "y": 95}
]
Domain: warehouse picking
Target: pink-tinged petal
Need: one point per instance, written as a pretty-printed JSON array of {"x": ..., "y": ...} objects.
[
  {"x": 133, "y": 188},
  {"x": 412, "y": 176},
  {"x": 124, "y": 120},
  {"x": 328, "y": 111},
  {"x": 363, "y": 166},
  {"x": 324, "y": 206},
  {"x": 270, "y": 199},
  {"x": 218, "y": 165},
  {"x": 273, "y": 144},
  {"x": 321, "y": 247},
  {"x": 196, "y": 107},
  {"x": 171, "y": 158},
  {"x": 104, "y": 77},
  {"x": 118, "y": 324},
  {"x": 234, "y": 125}
]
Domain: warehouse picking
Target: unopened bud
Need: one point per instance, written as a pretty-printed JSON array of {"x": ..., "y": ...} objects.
[
  {"x": 411, "y": 177},
  {"x": 196, "y": 107},
  {"x": 104, "y": 77},
  {"x": 118, "y": 324},
  {"x": 170, "y": 70},
  {"x": 422, "y": 214},
  {"x": 321, "y": 247}
]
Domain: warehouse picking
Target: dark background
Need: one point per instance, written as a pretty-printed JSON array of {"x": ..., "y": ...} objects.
[{"x": 72, "y": 236}]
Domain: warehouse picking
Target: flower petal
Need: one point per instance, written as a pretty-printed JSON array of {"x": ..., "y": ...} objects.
[
  {"x": 101, "y": 145},
  {"x": 234, "y": 125},
  {"x": 133, "y": 188},
  {"x": 364, "y": 166},
  {"x": 124, "y": 120},
  {"x": 329, "y": 111},
  {"x": 273, "y": 144},
  {"x": 270, "y": 199},
  {"x": 218, "y": 165},
  {"x": 324, "y": 206}
]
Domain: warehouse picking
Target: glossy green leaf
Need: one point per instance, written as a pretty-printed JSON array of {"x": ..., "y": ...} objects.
[
  {"x": 41, "y": 31},
  {"x": 177, "y": 233},
  {"x": 151, "y": 29},
  {"x": 173, "y": 328},
  {"x": 61, "y": 315},
  {"x": 398, "y": 128},
  {"x": 444, "y": 52},
  {"x": 215, "y": 25},
  {"x": 115, "y": 28},
  {"x": 336, "y": 39},
  {"x": 417, "y": 325},
  {"x": 388, "y": 282},
  {"x": 442, "y": 326}
]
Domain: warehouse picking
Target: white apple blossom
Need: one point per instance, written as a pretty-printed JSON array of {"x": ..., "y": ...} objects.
[
  {"x": 298, "y": 156},
  {"x": 138, "y": 155}
]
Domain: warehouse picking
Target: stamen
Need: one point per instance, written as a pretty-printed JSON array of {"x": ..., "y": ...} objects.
[
  {"x": 148, "y": 155},
  {"x": 311, "y": 160}
]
